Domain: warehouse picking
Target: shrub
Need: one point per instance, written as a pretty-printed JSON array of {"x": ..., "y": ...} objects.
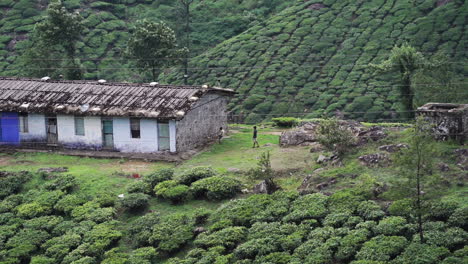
[
  {"x": 172, "y": 191},
  {"x": 307, "y": 207},
  {"x": 228, "y": 237},
  {"x": 69, "y": 202},
  {"x": 254, "y": 247},
  {"x": 382, "y": 248},
  {"x": 393, "y": 225},
  {"x": 194, "y": 174},
  {"x": 441, "y": 210},
  {"x": 158, "y": 176},
  {"x": 370, "y": 210},
  {"x": 64, "y": 183},
  {"x": 105, "y": 199},
  {"x": 141, "y": 229},
  {"x": 401, "y": 208},
  {"x": 172, "y": 232},
  {"x": 459, "y": 218},
  {"x": 145, "y": 255},
  {"x": 417, "y": 253},
  {"x": 201, "y": 215},
  {"x": 216, "y": 187},
  {"x": 285, "y": 121},
  {"x": 42, "y": 260},
  {"x": 31, "y": 210},
  {"x": 134, "y": 201},
  {"x": 139, "y": 187},
  {"x": 93, "y": 212},
  {"x": 335, "y": 136},
  {"x": 11, "y": 183},
  {"x": 46, "y": 223},
  {"x": 450, "y": 238},
  {"x": 351, "y": 243}
]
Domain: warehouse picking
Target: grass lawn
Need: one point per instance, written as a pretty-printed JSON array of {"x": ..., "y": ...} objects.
[{"x": 94, "y": 175}]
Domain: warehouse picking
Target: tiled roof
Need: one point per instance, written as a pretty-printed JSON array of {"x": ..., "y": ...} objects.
[{"x": 93, "y": 98}]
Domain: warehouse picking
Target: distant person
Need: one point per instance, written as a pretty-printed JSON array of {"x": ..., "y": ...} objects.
[
  {"x": 255, "y": 134},
  {"x": 221, "y": 134}
]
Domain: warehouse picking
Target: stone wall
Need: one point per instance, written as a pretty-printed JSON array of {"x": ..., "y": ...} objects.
[
  {"x": 201, "y": 125},
  {"x": 449, "y": 120}
]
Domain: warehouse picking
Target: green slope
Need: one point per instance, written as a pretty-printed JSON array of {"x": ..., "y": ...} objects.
[
  {"x": 313, "y": 57},
  {"x": 108, "y": 23}
]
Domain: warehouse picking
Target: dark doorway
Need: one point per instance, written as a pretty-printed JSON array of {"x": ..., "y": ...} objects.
[{"x": 52, "y": 131}]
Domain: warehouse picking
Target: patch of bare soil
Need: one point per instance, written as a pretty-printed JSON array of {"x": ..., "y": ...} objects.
[{"x": 4, "y": 161}]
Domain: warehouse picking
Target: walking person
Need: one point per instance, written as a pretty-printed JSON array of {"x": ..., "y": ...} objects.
[
  {"x": 221, "y": 134},
  {"x": 255, "y": 134}
]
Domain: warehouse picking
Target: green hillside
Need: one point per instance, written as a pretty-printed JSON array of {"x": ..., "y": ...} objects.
[
  {"x": 108, "y": 23},
  {"x": 359, "y": 217},
  {"x": 313, "y": 57}
]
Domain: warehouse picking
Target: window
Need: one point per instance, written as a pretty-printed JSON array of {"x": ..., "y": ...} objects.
[
  {"x": 135, "y": 127},
  {"x": 79, "y": 126},
  {"x": 23, "y": 121},
  {"x": 163, "y": 136}
]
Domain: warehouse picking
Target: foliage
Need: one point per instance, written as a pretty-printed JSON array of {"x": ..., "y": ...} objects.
[
  {"x": 216, "y": 187},
  {"x": 64, "y": 183},
  {"x": 158, "y": 176},
  {"x": 134, "y": 201},
  {"x": 194, "y": 174},
  {"x": 285, "y": 121},
  {"x": 139, "y": 187},
  {"x": 334, "y": 136},
  {"x": 228, "y": 237},
  {"x": 406, "y": 61},
  {"x": 63, "y": 29},
  {"x": 172, "y": 232},
  {"x": 382, "y": 248},
  {"x": 154, "y": 46},
  {"x": 11, "y": 183},
  {"x": 263, "y": 170},
  {"x": 172, "y": 191}
]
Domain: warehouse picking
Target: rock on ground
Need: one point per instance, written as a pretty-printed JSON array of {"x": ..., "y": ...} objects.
[
  {"x": 266, "y": 187},
  {"x": 51, "y": 170},
  {"x": 393, "y": 148},
  {"x": 375, "y": 160},
  {"x": 308, "y": 184}
]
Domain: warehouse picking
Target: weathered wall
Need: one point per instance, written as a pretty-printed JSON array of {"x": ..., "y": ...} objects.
[
  {"x": 201, "y": 125},
  {"x": 66, "y": 132},
  {"x": 36, "y": 129},
  {"x": 148, "y": 141}
]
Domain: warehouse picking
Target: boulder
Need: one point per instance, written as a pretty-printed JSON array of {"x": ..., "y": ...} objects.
[
  {"x": 462, "y": 158},
  {"x": 316, "y": 147},
  {"x": 199, "y": 230},
  {"x": 266, "y": 186},
  {"x": 333, "y": 160},
  {"x": 308, "y": 184},
  {"x": 374, "y": 133},
  {"x": 393, "y": 148},
  {"x": 51, "y": 170},
  {"x": 443, "y": 167},
  {"x": 303, "y": 135},
  {"x": 375, "y": 160}
]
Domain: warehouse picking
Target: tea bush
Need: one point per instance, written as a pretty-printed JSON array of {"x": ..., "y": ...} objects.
[
  {"x": 216, "y": 188},
  {"x": 194, "y": 174},
  {"x": 172, "y": 191}
]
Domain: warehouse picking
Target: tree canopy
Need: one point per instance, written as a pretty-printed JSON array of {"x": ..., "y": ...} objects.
[{"x": 153, "y": 46}]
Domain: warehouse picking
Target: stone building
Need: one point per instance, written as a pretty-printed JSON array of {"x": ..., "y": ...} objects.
[
  {"x": 134, "y": 118},
  {"x": 450, "y": 120}
]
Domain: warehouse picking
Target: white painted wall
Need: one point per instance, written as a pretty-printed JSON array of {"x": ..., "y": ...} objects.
[
  {"x": 172, "y": 135},
  {"x": 148, "y": 141},
  {"x": 66, "y": 132},
  {"x": 36, "y": 129}
]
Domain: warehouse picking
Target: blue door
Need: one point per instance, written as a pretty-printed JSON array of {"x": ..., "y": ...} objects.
[{"x": 9, "y": 124}]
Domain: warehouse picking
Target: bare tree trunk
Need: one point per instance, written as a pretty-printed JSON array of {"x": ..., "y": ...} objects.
[{"x": 418, "y": 201}]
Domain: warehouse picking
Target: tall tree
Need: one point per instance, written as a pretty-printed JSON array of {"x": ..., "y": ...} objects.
[
  {"x": 185, "y": 13},
  {"x": 60, "y": 29},
  {"x": 406, "y": 61},
  {"x": 154, "y": 47},
  {"x": 416, "y": 166}
]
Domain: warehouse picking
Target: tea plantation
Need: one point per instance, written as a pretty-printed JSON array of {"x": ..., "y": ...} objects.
[
  {"x": 313, "y": 58},
  {"x": 108, "y": 23}
]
